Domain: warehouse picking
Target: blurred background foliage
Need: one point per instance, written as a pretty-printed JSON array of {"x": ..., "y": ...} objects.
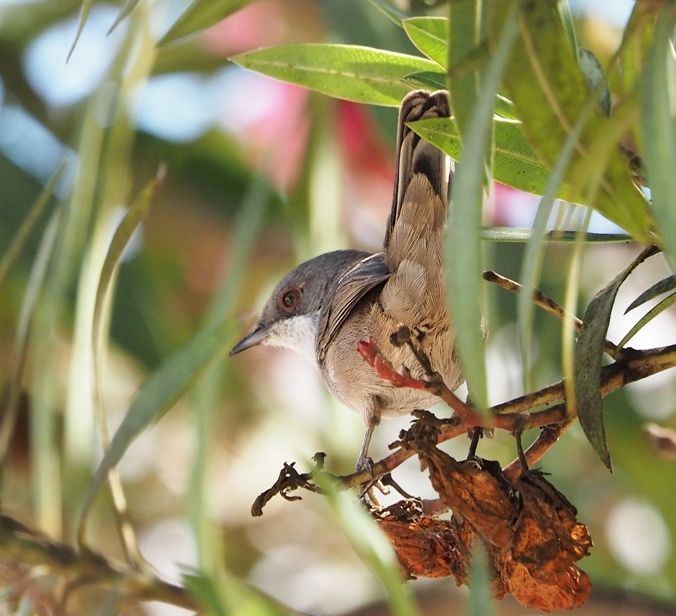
[{"x": 289, "y": 174}]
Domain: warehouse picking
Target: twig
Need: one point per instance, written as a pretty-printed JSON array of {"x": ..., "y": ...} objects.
[
  {"x": 632, "y": 366},
  {"x": 19, "y": 543},
  {"x": 547, "y": 304}
]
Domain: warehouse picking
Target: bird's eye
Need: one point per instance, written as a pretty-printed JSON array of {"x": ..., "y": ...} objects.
[{"x": 289, "y": 299}]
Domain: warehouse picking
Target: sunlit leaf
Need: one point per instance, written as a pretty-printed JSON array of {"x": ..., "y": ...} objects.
[
  {"x": 464, "y": 34},
  {"x": 649, "y": 316},
  {"x": 549, "y": 92},
  {"x": 389, "y": 11},
  {"x": 430, "y": 36},
  {"x": 659, "y": 128},
  {"x": 532, "y": 260},
  {"x": 463, "y": 249},
  {"x": 200, "y": 15},
  {"x": 663, "y": 286},
  {"x": 515, "y": 162},
  {"x": 354, "y": 73},
  {"x": 433, "y": 81},
  {"x": 588, "y": 358}
]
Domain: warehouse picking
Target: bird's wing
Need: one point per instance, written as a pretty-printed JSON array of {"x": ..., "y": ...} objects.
[{"x": 353, "y": 286}]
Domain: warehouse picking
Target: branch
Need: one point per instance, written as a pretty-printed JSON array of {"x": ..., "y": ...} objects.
[
  {"x": 632, "y": 366},
  {"x": 19, "y": 543}
]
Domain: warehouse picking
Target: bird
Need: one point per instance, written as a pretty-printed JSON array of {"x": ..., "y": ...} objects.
[{"x": 326, "y": 306}]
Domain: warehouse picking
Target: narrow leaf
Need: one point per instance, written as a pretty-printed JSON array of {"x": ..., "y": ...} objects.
[
  {"x": 21, "y": 236},
  {"x": 85, "y": 8},
  {"x": 520, "y": 234},
  {"x": 463, "y": 252},
  {"x": 430, "y": 36},
  {"x": 663, "y": 286},
  {"x": 160, "y": 392},
  {"x": 515, "y": 162},
  {"x": 464, "y": 34},
  {"x": 596, "y": 78},
  {"x": 649, "y": 316},
  {"x": 19, "y": 353},
  {"x": 480, "y": 601},
  {"x": 134, "y": 216},
  {"x": 549, "y": 92},
  {"x": 354, "y": 73},
  {"x": 127, "y": 8},
  {"x": 200, "y": 15},
  {"x": 659, "y": 127},
  {"x": 434, "y": 81},
  {"x": 532, "y": 260},
  {"x": 568, "y": 23},
  {"x": 389, "y": 11},
  {"x": 372, "y": 546},
  {"x": 588, "y": 360}
]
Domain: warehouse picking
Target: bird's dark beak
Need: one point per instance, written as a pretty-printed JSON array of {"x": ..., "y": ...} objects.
[{"x": 252, "y": 339}]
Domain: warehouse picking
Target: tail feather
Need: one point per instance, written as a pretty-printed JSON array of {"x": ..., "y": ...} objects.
[{"x": 421, "y": 185}]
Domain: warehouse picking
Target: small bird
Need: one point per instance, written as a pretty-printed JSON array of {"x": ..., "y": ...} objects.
[{"x": 327, "y": 305}]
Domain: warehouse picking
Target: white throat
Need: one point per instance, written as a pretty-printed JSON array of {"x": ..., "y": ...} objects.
[{"x": 296, "y": 333}]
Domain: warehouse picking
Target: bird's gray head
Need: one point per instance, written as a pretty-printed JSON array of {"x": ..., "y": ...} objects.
[{"x": 289, "y": 318}]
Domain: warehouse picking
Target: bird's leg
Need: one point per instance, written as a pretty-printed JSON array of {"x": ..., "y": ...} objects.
[
  {"x": 363, "y": 461},
  {"x": 476, "y": 433},
  {"x": 519, "y": 451}
]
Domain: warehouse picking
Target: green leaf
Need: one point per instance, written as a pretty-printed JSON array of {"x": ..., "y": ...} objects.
[
  {"x": 200, "y": 15},
  {"x": 21, "y": 236},
  {"x": 515, "y": 162},
  {"x": 132, "y": 219},
  {"x": 127, "y": 8},
  {"x": 10, "y": 407},
  {"x": 588, "y": 360},
  {"x": 520, "y": 234},
  {"x": 221, "y": 594},
  {"x": 663, "y": 286},
  {"x": 464, "y": 34},
  {"x": 430, "y": 36},
  {"x": 596, "y": 78},
  {"x": 160, "y": 391},
  {"x": 549, "y": 92},
  {"x": 532, "y": 261},
  {"x": 568, "y": 23},
  {"x": 480, "y": 601},
  {"x": 659, "y": 128},
  {"x": 353, "y": 73},
  {"x": 389, "y": 11},
  {"x": 372, "y": 546},
  {"x": 649, "y": 316},
  {"x": 85, "y": 8},
  {"x": 434, "y": 81},
  {"x": 463, "y": 250}
]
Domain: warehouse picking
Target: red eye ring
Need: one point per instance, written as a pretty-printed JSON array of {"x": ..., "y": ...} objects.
[{"x": 289, "y": 299}]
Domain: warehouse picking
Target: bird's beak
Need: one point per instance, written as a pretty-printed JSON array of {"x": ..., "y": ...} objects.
[{"x": 252, "y": 339}]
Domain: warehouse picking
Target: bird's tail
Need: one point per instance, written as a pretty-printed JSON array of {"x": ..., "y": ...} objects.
[{"x": 421, "y": 184}]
